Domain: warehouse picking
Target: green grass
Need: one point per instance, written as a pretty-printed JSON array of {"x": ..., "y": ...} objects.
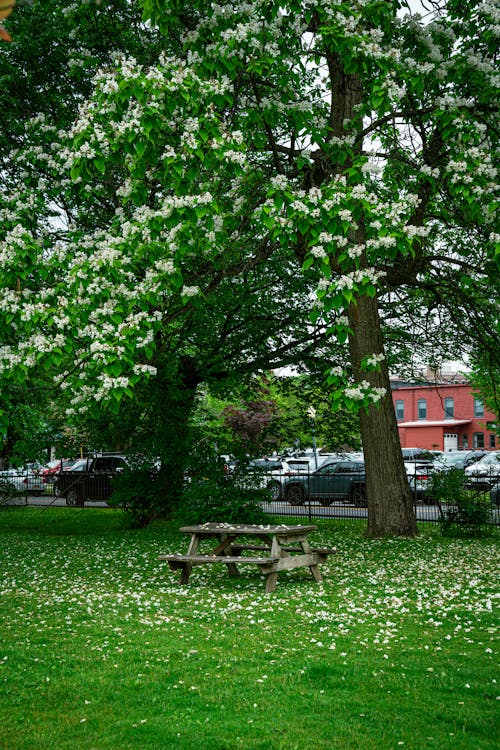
[{"x": 100, "y": 648}]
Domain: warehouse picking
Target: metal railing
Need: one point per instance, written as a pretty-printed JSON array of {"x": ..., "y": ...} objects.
[
  {"x": 298, "y": 495},
  {"x": 324, "y": 502}
]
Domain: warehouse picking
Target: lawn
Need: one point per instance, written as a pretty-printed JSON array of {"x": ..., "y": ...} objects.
[{"x": 100, "y": 649}]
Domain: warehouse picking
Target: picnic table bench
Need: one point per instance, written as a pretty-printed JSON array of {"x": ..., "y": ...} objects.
[{"x": 284, "y": 548}]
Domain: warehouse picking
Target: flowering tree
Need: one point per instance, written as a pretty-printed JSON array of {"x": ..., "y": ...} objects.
[
  {"x": 354, "y": 136},
  {"x": 46, "y": 72},
  {"x": 253, "y": 312}
]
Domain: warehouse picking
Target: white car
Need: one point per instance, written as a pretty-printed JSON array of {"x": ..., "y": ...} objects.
[
  {"x": 458, "y": 459},
  {"x": 419, "y": 465},
  {"x": 485, "y": 473},
  {"x": 22, "y": 480}
]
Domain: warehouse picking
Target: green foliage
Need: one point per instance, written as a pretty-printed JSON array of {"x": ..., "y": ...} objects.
[
  {"x": 334, "y": 430},
  {"x": 138, "y": 492},
  {"x": 7, "y": 491},
  {"x": 222, "y": 500},
  {"x": 462, "y": 512},
  {"x": 215, "y": 492}
]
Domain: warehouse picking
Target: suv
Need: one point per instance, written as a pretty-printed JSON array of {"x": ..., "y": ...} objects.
[
  {"x": 458, "y": 459},
  {"x": 336, "y": 480},
  {"x": 91, "y": 480}
]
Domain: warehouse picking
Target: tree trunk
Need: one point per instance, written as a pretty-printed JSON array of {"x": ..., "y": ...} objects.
[
  {"x": 174, "y": 400},
  {"x": 390, "y": 505}
]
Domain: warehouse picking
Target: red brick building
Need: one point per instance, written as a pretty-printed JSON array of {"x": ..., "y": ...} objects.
[{"x": 443, "y": 416}]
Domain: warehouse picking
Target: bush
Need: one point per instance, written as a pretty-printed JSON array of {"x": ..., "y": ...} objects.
[
  {"x": 7, "y": 491},
  {"x": 213, "y": 495},
  {"x": 137, "y": 491},
  {"x": 462, "y": 512}
]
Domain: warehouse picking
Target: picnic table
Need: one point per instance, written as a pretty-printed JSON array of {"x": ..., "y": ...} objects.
[{"x": 281, "y": 548}]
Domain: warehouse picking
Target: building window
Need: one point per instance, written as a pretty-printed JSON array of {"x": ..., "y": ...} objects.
[
  {"x": 449, "y": 408},
  {"x": 400, "y": 410},
  {"x": 478, "y": 408},
  {"x": 492, "y": 441},
  {"x": 465, "y": 442},
  {"x": 422, "y": 408},
  {"x": 478, "y": 440}
]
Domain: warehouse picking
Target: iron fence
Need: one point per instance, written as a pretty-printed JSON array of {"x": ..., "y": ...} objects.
[
  {"x": 306, "y": 496},
  {"x": 342, "y": 495}
]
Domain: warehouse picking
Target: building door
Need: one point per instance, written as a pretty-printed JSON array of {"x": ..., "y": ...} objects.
[{"x": 450, "y": 441}]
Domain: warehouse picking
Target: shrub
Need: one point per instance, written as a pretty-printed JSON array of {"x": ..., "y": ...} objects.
[
  {"x": 7, "y": 491},
  {"x": 213, "y": 495},
  {"x": 137, "y": 491},
  {"x": 462, "y": 511}
]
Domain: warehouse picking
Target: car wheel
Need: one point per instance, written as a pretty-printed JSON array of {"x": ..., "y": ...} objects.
[
  {"x": 295, "y": 494},
  {"x": 358, "y": 496},
  {"x": 275, "y": 490},
  {"x": 72, "y": 498}
]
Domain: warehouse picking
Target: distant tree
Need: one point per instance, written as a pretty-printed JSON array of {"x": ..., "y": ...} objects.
[
  {"x": 252, "y": 425},
  {"x": 334, "y": 430}
]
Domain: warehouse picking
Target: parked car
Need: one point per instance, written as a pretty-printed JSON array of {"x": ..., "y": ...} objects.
[
  {"x": 485, "y": 473},
  {"x": 268, "y": 473},
  {"x": 90, "y": 479},
  {"x": 419, "y": 466},
  {"x": 417, "y": 454},
  {"x": 420, "y": 481},
  {"x": 52, "y": 469},
  {"x": 458, "y": 459},
  {"x": 276, "y": 471},
  {"x": 337, "y": 480},
  {"x": 24, "y": 479}
]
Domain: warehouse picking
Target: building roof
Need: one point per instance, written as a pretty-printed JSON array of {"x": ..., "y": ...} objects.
[{"x": 435, "y": 423}]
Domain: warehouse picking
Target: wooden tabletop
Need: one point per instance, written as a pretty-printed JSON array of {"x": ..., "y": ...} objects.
[{"x": 240, "y": 528}]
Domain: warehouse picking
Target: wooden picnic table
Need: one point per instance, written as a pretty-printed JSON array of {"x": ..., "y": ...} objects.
[{"x": 281, "y": 548}]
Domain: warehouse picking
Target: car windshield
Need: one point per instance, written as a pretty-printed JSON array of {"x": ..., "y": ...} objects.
[
  {"x": 53, "y": 464},
  {"x": 80, "y": 465},
  {"x": 262, "y": 465},
  {"x": 420, "y": 456},
  {"x": 298, "y": 465},
  {"x": 453, "y": 459},
  {"x": 490, "y": 458}
]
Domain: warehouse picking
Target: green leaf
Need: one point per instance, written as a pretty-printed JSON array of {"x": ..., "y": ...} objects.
[
  {"x": 75, "y": 170},
  {"x": 115, "y": 368},
  {"x": 100, "y": 164}
]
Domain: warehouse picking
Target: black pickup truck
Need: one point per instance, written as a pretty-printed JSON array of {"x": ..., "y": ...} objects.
[{"x": 90, "y": 479}]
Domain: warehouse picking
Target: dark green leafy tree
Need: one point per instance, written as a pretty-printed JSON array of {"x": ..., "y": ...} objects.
[{"x": 253, "y": 311}]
